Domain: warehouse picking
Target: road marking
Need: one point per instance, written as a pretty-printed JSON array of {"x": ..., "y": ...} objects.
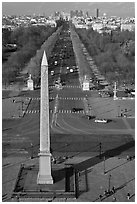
[
  {"x": 35, "y": 98},
  {"x": 68, "y": 98},
  {"x": 51, "y": 98},
  {"x": 70, "y": 111},
  {"x": 52, "y": 86},
  {"x": 59, "y": 111},
  {"x": 32, "y": 111},
  {"x": 74, "y": 87}
]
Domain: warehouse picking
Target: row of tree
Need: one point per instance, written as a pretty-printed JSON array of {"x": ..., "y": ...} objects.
[
  {"x": 28, "y": 41},
  {"x": 114, "y": 53}
]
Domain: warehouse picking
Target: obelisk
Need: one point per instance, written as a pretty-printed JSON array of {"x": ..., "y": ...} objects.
[{"x": 44, "y": 175}]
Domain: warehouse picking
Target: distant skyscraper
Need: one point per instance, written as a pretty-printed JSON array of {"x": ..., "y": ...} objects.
[
  {"x": 71, "y": 14},
  {"x": 87, "y": 15},
  {"x": 97, "y": 13},
  {"x": 76, "y": 13},
  {"x": 80, "y": 13}
]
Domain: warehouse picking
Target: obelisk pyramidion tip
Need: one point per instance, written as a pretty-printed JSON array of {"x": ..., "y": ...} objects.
[{"x": 44, "y": 60}]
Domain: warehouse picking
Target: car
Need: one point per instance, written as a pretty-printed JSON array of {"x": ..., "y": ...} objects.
[
  {"x": 101, "y": 121},
  {"x": 74, "y": 110},
  {"x": 52, "y": 73}
]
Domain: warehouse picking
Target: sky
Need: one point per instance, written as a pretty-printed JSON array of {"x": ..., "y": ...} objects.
[{"x": 122, "y": 9}]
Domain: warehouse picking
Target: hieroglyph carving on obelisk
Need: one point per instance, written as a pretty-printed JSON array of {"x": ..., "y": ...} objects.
[{"x": 44, "y": 175}]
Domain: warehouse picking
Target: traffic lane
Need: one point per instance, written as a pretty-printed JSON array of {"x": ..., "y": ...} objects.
[
  {"x": 114, "y": 125},
  {"x": 70, "y": 80},
  {"x": 53, "y": 93},
  {"x": 52, "y": 104},
  {"x": 84, "y": 67},
  {"x": 69, "y": 71},
  {"x": 34, "y": 104},
  {"x": 78, "y": 123},
  {"x": 25, "y": 129},
  {"x": 70, "y": 104},
  {"x": 74, "y": 91},
  {"x": 71, "y": 93}
]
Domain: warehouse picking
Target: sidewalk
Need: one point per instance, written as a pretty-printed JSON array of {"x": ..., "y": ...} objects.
[
  {"x": 10, "y": 169},
  {"x": 14, "y": 107},
  {"x": 96, "y": 182},
  {"x": 92, "y": 181}
]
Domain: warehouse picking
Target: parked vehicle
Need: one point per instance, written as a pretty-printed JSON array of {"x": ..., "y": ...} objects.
[{"x": 101, "y": 121}]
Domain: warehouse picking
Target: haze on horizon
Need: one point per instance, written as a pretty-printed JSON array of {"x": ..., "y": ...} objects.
[{"x": 121, "y": 9}]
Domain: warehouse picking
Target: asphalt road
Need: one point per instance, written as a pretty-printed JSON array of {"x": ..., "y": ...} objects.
[{"x": 20, "y": 133}]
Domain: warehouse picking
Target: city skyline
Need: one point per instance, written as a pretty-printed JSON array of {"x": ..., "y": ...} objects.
[{"x": 121, "y": 9}]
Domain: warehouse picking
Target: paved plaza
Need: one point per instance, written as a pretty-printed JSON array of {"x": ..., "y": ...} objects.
[
  {"x": 92, "y": 180},
  {"x": 110, "y": 108}
]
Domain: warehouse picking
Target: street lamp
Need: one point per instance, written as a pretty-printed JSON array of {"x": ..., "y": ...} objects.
[
  {"x": 109, "y": 182},
  {"x": 22, "y": 104},
  {"x": 104, "y": 164},
  {"x": 118, "y": 111},
  {"x": 19, "y": 110},
  {"x": 100, "y": 147},
  {"x": 31, "y": 156}
]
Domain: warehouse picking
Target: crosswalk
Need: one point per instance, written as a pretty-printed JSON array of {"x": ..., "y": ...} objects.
[
  {"x": 72, "y": 86},
  {"x": 70, "y": 111},
  {"x": 52, "y": 86},
  {"x": 32, "y": 111},
  {"x": 59, "y": 111},
  {"x": 38, "y": 98},
  {"x": 62, "y": 98},
  {"x": 68, "y": 86},
  {"x": 71, "y": 98},
  {"x": 79, "y": 98}
]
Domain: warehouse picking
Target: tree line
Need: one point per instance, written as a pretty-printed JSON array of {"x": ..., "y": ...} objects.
[
  {"x": 114, "y": 53},
  {"x": 28, "y": 41}
]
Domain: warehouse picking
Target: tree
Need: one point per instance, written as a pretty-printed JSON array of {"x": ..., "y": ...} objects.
[
  {"x": 107, "y": 52},
  {"x": 28, "y": 40}
]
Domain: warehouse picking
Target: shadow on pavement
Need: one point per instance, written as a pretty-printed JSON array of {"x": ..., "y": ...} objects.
[
  {"x": 82, "y": 168},
  {"x": 107, "y": 154}
]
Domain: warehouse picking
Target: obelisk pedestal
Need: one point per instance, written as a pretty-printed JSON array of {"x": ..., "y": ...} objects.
[{"x": 44, "y": 175}]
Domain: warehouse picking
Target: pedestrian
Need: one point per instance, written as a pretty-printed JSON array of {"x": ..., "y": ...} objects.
[
  {"x": 128, "y": 195},
  {"x": 52, "y": 159},
  {"x": 100, "y": 197},
  {"x": 105, "y": 193},
  {"x": 17, "y": 198},
  {"x": 114, "y": 199},
  {"x": 113, "y": 189},
  {"x": 127, "y": 158}
]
